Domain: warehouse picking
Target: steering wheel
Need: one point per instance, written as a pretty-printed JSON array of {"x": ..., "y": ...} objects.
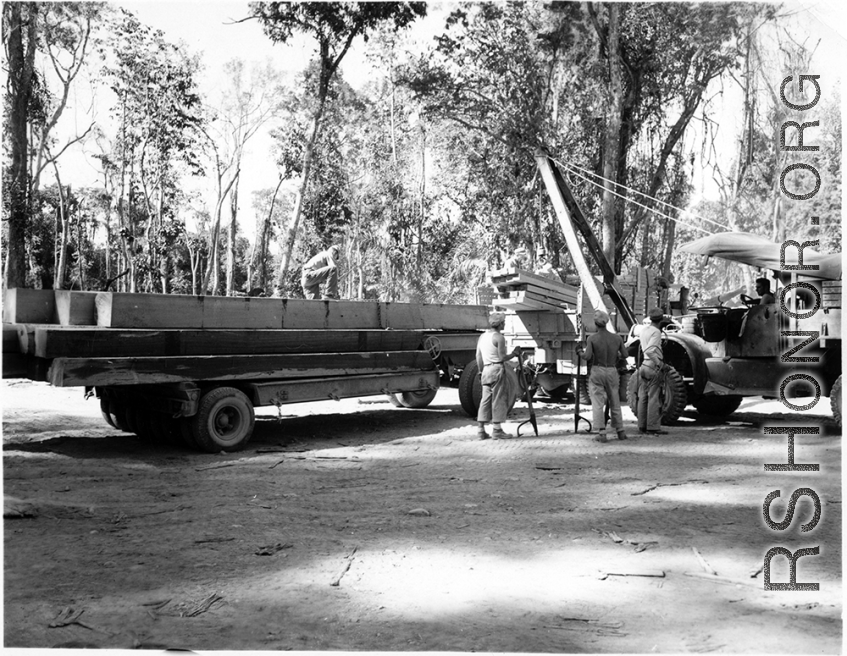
[{"x": 749, "y": 301}]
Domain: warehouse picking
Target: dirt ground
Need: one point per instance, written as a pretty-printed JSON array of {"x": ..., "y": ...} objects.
[{"x": 355, "y": 525}]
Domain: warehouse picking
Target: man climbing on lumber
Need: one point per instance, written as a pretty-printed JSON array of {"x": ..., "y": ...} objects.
[
  {"x": 322, "y": 268},
  {"x": 517, "y": 259},
  {"x": 498, "y": 386},
  {"x": 603, "y": 352}
]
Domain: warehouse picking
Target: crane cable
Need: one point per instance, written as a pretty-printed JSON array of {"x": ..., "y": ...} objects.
[{"x": 574, "y": 170}]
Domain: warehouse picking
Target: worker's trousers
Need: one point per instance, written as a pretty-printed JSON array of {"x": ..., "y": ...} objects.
[
  {"x": 312, "y": 280},
  {"x": 494, "y": 404},
  {"x": 649, "y": 401},
  {"x": 603, "y": 387}
]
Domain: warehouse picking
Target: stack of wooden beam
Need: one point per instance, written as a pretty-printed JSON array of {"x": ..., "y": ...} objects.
[
  {"x": 831, "y": 297},
  {"x": 105, "y": 338},
  {"x": 521, "y": 290}
]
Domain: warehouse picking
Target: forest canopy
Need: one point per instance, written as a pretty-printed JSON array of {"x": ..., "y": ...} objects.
[{"x": 424, "y": 173}]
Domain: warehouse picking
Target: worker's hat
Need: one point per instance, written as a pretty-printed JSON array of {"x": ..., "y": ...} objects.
[
  {"x": 496, "y": 319},
  {"x": 656, "y": 314},
  {"x": 601, "y": 318}
]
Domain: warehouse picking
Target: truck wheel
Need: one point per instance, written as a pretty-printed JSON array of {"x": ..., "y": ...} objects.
[
  {"x": 224, "y": 420},
  {"x": 720, "y": 406},
  {"x": 674, "y": 395},
  {"x": 835, "y": 400},
  {"x": 416, "y": 399},
  {"x": 470, "y": 388}
]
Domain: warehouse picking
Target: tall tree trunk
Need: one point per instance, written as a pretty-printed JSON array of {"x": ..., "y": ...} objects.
[
  {"x": 611, "y": 148},
  {"x": 291, "y": 234},
  {"x": 62, "y": 249},
  {"x": 19, "y": 18},
  {"x": 266, "y": 234},
  {"x": 233, "y": 232}
]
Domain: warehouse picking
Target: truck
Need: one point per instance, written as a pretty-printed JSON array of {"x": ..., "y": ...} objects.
[
  {"x": 727, "y": 353},
  {"x": 715, "y": 355}
]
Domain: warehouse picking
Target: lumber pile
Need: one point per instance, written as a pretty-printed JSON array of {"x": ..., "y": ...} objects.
[
  {"x": 521, "y": 290},
  {"x": 71, "y": 338},
  {"x": 831, "y": 293}
]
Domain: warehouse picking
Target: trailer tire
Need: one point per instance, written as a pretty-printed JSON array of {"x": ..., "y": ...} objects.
[
  {"x": 107, "y": 416},
  {"x": 118, "y": 413},
  {"x": 224, "y": 420},
  {"x": 835, "y": 400},
  {"x": 416, "y": 399},
  {"x": 674, "y": 395},
  {"x": 719, "y": 406},
  {"x": 470, "y": 388}
]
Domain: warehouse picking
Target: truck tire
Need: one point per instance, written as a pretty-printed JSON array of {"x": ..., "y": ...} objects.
[
  {"x": 674, "y": 396},
  {"x": 224, "y": 420},
  {"x": 416, "y": 399},
  {"x": 719, "y": 406},
  {"x": 835, "y": 400},
  {"x": 470, "y": 388}
]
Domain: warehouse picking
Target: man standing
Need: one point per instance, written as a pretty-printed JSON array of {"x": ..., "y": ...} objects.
[
  {"x": 322, "y": 268},
  {"x": 650, "y": 376},
  {"x": 603, "y": 352},
  {"x": 497, "y": 391}
]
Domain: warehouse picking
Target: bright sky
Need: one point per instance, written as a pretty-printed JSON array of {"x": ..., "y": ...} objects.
[{"x": 212, "y": 29}]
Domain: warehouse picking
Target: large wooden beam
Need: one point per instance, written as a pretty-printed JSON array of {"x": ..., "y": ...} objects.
[
  {"x": 119, "y": 310},
  {"x": 70, "y": 372},
  {"x": 29, "y": 306},
  {"x": 75, "y": 308},
  {"x": 52, "y": 342}
]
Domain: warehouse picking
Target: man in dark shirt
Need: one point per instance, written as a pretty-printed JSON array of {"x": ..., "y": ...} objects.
[{"x": 603, "y": 352}]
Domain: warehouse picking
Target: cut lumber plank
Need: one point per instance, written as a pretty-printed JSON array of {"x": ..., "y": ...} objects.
[
  {"x": 29, "y": 306},
  {"x": 512, "y": 276},
  {"x": 74, "y": 308},
  {"x": 520, "y": 305},
  {"x": 553, "y": 296},
  {"x": 555, "y": 301},
  {"x": 119, "y": 310},
  {"x": 11, "y": 343},
  {"x": 70, "y": 372},
  {"x": 51, "y": 342}
]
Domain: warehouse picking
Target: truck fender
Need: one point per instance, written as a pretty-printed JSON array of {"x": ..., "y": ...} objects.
[{"x": 687, "y": 353}]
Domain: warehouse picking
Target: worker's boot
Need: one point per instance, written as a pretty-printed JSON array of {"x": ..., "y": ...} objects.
[
  {"x": 498, "y": 433},
  {"x": 622, "y": 435},
  {"x": 481, "y": 434},
  {"x": 600, "y": 437}
]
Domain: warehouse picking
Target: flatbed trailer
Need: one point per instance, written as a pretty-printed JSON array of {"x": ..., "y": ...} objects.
[{"x": 194, "y": 368}]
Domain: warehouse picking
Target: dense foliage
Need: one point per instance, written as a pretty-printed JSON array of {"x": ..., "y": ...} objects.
[{"x": 425, "y": 174}]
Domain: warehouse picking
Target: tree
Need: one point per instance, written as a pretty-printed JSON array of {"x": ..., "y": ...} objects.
[
  {"x": 334, "y": 25},
  {"x": 250, "y": 98},
  {"x": 19, "y": 39},
  {"x": 158, "y": 114}
]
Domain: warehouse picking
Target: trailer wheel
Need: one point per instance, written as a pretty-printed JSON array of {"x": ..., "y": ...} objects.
[
  {"x": 835, "y": 400},
  {"x": 470, "y": 388},
  {"x": 118, "y": 413},
  {"x": 720, "y": 406},
  {"x": 674, "y": 396},
  {"x": 416, "y": 399},
  {"x": 224, "y": 420}
]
